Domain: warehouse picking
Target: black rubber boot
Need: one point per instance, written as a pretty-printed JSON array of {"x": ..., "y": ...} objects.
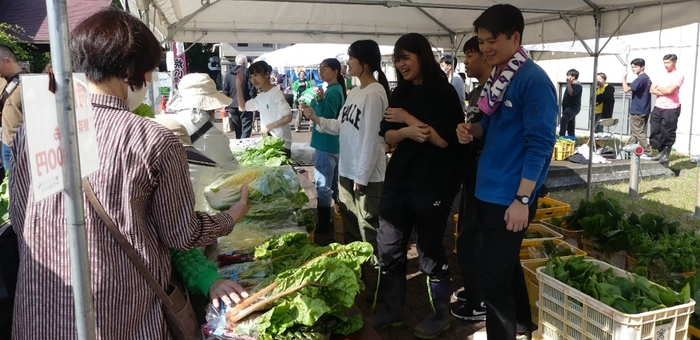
[
  {"x": 439, "y": 321},
  {"x": 323, "y": 235},
  {"x": 664, "y": 157},
  {"x": 392, "y": 288},
  {"x": 659, "y": 155}
]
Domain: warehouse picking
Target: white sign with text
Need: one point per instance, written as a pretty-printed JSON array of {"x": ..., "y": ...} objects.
[{"x": 43, "y": 135}]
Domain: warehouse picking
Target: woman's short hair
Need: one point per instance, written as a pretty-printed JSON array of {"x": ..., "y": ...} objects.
[{"x": 114, "y": 43}]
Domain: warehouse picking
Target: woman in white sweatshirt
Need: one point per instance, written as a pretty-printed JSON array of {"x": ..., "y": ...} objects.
[{"x": 362, "y": 161}]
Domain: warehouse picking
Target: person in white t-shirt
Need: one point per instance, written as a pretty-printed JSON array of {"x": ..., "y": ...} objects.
[
  {"x": 362, "y": 161},
  {"x": 275, "y": 112}
]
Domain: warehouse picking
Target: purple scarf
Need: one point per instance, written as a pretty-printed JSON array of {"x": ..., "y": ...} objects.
[{"x": 495, "y": 88}]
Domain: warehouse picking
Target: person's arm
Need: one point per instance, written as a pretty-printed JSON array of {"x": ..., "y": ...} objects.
[
  {"x": 415, "y": 129},
  {"x": 196, "y": 271},
  {"x": 226, "y": 87},
  {"x": 329, "y": 105},
  {"x": 570, "y": 87},
  {"x": 677, "y": 82},
  {"x": 173, "y": 192},
  {"x": 627, "y": 88},
  {"x": 20, "y": 181},
  {"x": 442, "y": 129},
  {"x": 375, "y": 103},
  {"x": 607, "y": 94},
  {"x": 323, "y": 125},
  {"x": 284, "y": 110}
]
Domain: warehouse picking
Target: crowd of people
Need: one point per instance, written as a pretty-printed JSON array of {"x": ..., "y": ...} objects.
[{"x": 492, "y": 154}]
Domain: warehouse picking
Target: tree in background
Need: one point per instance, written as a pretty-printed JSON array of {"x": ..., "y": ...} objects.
[{"x": 24, "y": 50}]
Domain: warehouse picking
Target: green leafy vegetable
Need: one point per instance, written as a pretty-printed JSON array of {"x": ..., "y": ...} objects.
[{"x": 268, "y": 152}]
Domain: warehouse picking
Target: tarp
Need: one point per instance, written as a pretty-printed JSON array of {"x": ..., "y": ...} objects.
[
  {"x": 575, "y": 49},
  {"x": 444, "y": 22},
  {"x": 310, "y": 55}
]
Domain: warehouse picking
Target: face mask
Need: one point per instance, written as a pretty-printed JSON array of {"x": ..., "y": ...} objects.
[{"x": 135, "y": 98}]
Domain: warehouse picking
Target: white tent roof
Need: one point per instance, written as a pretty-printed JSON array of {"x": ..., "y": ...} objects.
[
  {"x": 310, "y": 55},
  {"x": 575, "y": 49},
  {"x": 344, "y": 21}
]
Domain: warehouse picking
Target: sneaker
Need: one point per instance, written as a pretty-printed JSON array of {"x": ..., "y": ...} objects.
[
  {"x": 645, "y": 156},
  {"x": 521, "y": 336},
  {"x": 470, "y": 313},
  {"x": 460, "y": 295}
]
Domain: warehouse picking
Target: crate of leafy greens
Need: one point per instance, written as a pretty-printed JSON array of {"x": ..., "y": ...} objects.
[
  {"x": 537, "y": 232},
  {"x": 572, "y": 237},
  {"x": 590, "y": 299},
  {"x": 669, "y": 254},
  {"x": 308, "y": 298},
  {"x": 547, "y": 249},
  {"x": 547, "y": 207}
]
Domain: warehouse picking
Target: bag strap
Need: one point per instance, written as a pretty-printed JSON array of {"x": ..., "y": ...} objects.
[
  {"x": 9, "y": 88},
  {"x": 202, "y": 130},
  {"x": 128, "y": 248}
]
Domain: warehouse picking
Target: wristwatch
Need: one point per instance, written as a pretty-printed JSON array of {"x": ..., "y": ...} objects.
[{"x": 523, "y": 199}]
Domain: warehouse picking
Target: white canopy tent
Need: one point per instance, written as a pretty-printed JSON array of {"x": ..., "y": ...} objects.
[
  {"x": 574, "y": 49},
  {"x": 310, "y": 55},
  {"x": 446, "y": 23}
]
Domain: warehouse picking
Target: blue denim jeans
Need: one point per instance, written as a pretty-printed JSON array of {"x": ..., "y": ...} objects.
[
  {"x": 326, "y": 176},
  {"x": 6, "y": 156}
]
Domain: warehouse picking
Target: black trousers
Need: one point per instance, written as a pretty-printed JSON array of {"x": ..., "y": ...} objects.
[
  {"x": 401, "y": 212},
  {"x": 502, "y": 280},
  {"x": 664, "y": 123},
  {"x": 469, "y": 242},
  {"x": 242, "y": 122},
  {"x": 567, "y": 123}
]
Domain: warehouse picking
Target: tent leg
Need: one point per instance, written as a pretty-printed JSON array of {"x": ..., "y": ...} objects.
[{"x": 591, "y": 137}]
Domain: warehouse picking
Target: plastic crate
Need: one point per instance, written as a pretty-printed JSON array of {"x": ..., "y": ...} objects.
[
  {"x": 572, "y": 237},
  {"x": 525, "y": 254},
  {"x": 563, "y": 150},
  {"x": 548, "y": 234},
  {"x": 617, "y": 259},
  {"x": 556, "y": 209},
  {"x": 566, "y": 313},
  {"x": 533, "y": 284},
  {"x": 693, "y": 333}
]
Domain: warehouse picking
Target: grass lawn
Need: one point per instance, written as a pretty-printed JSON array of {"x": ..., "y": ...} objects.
[{"x": 672, "y": 197}]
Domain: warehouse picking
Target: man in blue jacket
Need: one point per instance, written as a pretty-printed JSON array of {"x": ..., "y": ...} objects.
[{"x": 518, "y": 127}]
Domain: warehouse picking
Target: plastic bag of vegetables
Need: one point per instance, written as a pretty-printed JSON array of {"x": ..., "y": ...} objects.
[{"x": 270, "y": 190}]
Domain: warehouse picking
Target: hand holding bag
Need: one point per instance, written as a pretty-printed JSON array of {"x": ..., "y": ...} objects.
[{"x": 177, "y": 309}]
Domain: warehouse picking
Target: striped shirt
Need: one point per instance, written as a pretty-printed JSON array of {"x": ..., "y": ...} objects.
[{"x": 143, "y": 184}]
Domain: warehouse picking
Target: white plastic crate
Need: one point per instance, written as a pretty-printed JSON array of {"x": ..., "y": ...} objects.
[{"x": 567, "y": 313}]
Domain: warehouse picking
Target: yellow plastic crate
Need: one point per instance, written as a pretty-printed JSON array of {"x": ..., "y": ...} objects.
[
  {"x": 572, "y": 237},
  {"x": 533, "y": 284},
  {"x": 563, "y": 150},
  {"x": 548, "y": 234},
  {"x": 693, "y": 333},
  {"x": 556, "y": 209}
]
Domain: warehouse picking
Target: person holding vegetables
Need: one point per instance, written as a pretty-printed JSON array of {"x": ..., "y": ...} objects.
[
  {"x": 328, "y": 104},
  {"x": 518, "y": 127},
  {"x": 362, "y": 162},
  {"x": 422, "y": 179},
  {"x": 275, "y": 113},
  {"x": 142, "y": 183}
]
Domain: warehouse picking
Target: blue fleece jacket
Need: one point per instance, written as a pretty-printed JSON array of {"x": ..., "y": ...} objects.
[{"x": 520, "y": 137}]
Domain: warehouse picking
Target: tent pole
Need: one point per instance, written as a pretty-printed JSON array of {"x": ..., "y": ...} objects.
[
  {"x": 72, "y": 193},
  {"x": 695, "y": 81},
  {"x": 591, "y": 138}
]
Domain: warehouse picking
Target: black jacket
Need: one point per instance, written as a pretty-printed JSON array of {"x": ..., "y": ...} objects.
[
  {"x": 229, "y": 85},
  {"x": 423, "y": 167},
  {"x": 608, "y": 100}
]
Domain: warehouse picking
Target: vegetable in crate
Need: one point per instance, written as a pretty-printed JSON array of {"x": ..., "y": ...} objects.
[
  {"x": 599, "y": 205},
  {"x": 268, "y": 152},
  {"x": 270, "y": 190},
  {"x": 621, "y": 293}
]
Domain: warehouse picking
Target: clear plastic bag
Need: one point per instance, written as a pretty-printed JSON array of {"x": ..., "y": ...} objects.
[
  {"x": 547, "y": 249},
  {"x": 247, "y": 274},
  {"x": 270, "y": 190}
]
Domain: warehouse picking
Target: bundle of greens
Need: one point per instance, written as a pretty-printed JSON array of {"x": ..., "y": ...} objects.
[
  {"x": 268, "y": 152},
  {"x": 603, "y": 221},
  {"x": 649, "y": 226},
  {"x": 270, "y": 190},
  {"x": 309, "y": 296},
  {"x": 621, "y": 293},
  {"x": 665, "y": 254}
]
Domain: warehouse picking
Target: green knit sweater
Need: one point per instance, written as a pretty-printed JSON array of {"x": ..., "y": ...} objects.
[{"x": 196, "y": 271}]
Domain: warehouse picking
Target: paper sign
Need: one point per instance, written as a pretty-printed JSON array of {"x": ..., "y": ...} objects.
[{"x": 43, "y": 135}]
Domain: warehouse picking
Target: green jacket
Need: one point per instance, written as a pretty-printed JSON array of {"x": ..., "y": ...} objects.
[
  {"x": 328, "y": 107},
  {"x": 196, "y": 271}
]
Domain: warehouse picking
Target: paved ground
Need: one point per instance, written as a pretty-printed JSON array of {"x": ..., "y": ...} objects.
[{"x": 417, "y": 305}]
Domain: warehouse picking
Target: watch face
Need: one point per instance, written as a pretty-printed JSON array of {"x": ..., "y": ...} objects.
[{"x": 525, "y": 200}]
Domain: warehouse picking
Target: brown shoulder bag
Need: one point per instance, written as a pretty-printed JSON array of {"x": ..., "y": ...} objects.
[{"x": 177, "y": 309}]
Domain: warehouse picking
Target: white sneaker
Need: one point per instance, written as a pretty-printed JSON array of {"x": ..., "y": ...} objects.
[{"x": 644, "y": 157}]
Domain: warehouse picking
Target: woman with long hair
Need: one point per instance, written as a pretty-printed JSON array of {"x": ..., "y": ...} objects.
[
  {"x": 421, "y": 182},
  {"x": 327, "y": 105},
  {"x": 142, "y": 183},
  {"x": 362, "y": 162}
]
